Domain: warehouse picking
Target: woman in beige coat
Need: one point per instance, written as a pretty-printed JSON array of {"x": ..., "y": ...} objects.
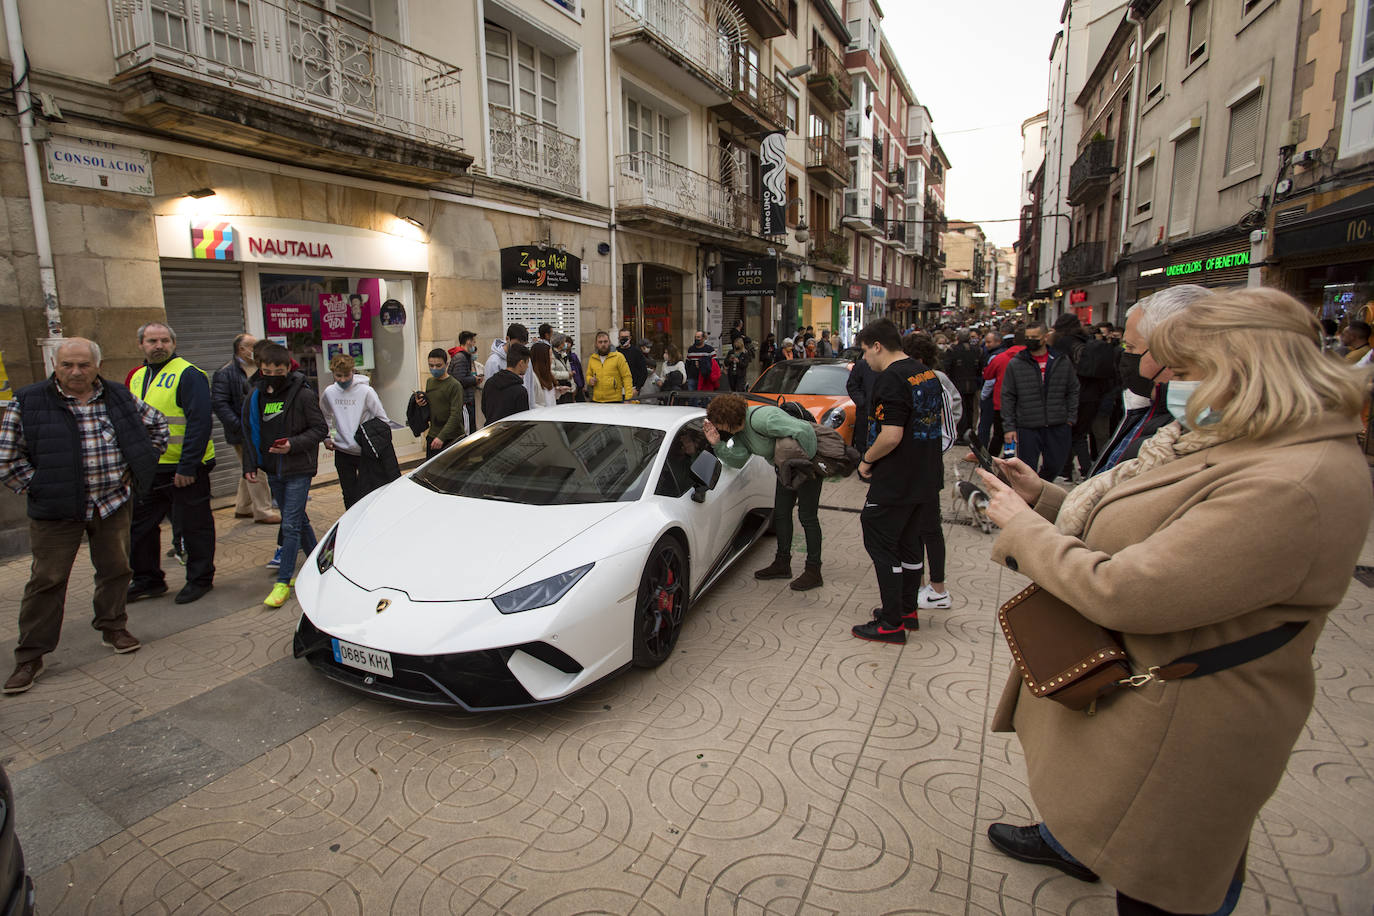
[{"x": 1247, "y": 513}]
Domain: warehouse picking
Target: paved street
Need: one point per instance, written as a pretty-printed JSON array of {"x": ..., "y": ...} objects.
[{"x": 774, "y": 765}]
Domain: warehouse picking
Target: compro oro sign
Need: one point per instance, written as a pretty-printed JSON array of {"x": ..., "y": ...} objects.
[
  {"x": 82, "y": 163},
  {"x": 287, "y": 241}
]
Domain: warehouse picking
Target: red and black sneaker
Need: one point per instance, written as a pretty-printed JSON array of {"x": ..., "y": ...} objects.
[
  {"x": 874, "y": 631},
  {"x": 910, "y": 620}
]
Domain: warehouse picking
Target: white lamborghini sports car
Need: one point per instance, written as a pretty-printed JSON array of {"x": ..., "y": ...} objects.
[{"x": 532, "y": 559}]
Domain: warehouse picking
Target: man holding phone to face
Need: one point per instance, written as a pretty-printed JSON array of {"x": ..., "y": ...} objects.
[{"x": 283, "y": 428}]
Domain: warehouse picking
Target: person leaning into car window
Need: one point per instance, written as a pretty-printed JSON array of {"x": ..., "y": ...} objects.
[{"x": 735, "y": 431}]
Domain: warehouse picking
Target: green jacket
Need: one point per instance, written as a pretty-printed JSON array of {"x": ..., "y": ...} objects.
[
  {"x": 763, "y": 426},
  {"x": 445, "y": 397}
]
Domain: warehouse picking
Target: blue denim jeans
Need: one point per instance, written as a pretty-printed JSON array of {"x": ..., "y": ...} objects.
[{"x": 290, "y": 493}]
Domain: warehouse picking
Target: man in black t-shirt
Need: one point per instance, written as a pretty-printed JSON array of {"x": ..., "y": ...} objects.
[{"x": 903, "y": 466}]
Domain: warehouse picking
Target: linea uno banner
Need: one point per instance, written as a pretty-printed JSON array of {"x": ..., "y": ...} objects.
[{"x": 773, "y": 174}]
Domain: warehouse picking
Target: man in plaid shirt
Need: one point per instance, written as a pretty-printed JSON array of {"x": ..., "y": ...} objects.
[{"x": 79, "y": 445}]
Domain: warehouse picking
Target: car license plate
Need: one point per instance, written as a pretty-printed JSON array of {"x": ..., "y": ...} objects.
[{"x": 362, "y": 658}]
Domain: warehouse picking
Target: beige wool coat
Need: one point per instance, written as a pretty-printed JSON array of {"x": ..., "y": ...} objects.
[{"x": 1157, "y": 792}]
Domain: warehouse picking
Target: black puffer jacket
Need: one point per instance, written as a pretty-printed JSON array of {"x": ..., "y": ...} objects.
[
  {"x": 1030, "y": 402},
  {"x": 299, "y": 420},
  {"x": 228, "y": 389}
]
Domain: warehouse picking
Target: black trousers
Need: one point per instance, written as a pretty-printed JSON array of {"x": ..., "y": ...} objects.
[
  {"x": 807, "y": 499},
  {"x": 197, "y": 529},
  {"x": 892, "y": 536},
  {"x": 347, "y": 467},
  {"x": 969, "y": 419},
  {"x": 1045, "y": 449},
  {"x": 471, "y": 408}
]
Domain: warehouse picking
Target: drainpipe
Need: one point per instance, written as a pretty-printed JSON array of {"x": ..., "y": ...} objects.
[
  {"x": 1128, "y": 164},
  {"x": 23, "y": 102},
  {"x": 616, "y": 318}
]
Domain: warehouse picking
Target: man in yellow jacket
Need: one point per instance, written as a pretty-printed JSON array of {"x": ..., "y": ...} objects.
[{"x": 608, "y": 375}]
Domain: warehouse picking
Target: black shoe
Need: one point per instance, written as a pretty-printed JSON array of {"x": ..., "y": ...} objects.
[
  {"x": 1026, "y": 844},
  {"x": 191, "y": 592},
  {"x": 910, "y": 620},
  {"x": 809, "y": 579},
  {"x": 873, "y": 631},
  {"x": 780, "y": 568},
  {"x": 151, "y": 590}
]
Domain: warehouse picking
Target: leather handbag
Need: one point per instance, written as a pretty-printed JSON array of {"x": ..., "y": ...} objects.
[
  {"x": 1065, "y": 657},
  {"x": 1060, "y": 653}
]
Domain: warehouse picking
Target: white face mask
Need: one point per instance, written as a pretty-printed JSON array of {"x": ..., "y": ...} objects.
[{"x": 1176, "y": 399}]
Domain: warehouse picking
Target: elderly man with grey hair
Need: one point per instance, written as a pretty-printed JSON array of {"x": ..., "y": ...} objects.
[
  {"x": 79, "y": 446},
  {"x": 1145, "y": 381}
]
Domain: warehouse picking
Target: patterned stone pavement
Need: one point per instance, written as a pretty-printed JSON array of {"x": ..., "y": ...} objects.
[{"x": 773, "y": 765}]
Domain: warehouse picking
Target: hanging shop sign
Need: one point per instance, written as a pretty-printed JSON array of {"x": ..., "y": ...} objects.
[
  {"x": 283, "y": 241},
  {"x": 94, "y": 164},
  {"x": 773, "y": 178},
  {"x": 749, "y": 278},
  {"x": 536, "y": 268},
  {"x": 1077, "y": 296}
]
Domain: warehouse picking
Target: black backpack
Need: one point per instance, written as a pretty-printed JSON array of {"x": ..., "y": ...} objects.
[{"x": 1097, "y": 359}]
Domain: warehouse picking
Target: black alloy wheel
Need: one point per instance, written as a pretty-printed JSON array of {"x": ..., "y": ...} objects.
[{"x": 661, "y": 604}]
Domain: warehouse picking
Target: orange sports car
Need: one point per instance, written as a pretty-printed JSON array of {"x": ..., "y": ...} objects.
[{"x": 816, "y": 384}]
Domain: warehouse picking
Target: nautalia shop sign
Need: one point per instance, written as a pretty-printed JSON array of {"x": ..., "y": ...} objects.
[{"x": 287, "y": 241}]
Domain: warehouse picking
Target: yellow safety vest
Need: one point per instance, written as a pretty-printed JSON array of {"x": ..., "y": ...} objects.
[{"x": 162, "y": 397}]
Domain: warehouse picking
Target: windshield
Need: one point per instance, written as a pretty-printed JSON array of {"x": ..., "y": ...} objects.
[
  {"x": 815, "y": 378},
  {"x": 546, "y": 464}
]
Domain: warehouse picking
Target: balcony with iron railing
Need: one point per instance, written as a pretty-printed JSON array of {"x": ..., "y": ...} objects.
[
  {"x": 1091, "y": 172},
  {"x": 896, "y": 177},
  {"x": 830, "y": 247},
  {"x": 767, "y": 17},
  {"x": 533, "y": 153},
  {"x": 670, "y": 33},
  {"x": 878, "y": 151},
  {"x": 285, "y": 76},
  {"x": 652, "y": 189},
  {"x": 756, "y": 102},
  {"x": 827, "y": 162},
  {"x": 1082, "y": 261},
  {"x": 828, "y": 81}
]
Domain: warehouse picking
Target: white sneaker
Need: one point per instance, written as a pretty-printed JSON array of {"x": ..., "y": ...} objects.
[{"x": 929, "y": 599}]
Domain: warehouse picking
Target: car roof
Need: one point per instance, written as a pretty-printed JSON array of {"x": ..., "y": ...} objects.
[{"x": 648, "y": 416}]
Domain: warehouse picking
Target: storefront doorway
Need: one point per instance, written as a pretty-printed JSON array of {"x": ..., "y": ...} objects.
[{"x": 653, "y": 305}]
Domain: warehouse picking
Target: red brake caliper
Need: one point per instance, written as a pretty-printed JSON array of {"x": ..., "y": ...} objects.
[{"x": 665, "y": 600}]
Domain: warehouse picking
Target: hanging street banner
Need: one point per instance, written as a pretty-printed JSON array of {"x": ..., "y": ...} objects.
[
  {"x": 773, "y": 176},
  {"x": 539, "y": 269}
]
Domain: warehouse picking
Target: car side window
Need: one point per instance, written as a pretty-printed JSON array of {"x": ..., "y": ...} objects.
[{"x": 688, "y": 442}]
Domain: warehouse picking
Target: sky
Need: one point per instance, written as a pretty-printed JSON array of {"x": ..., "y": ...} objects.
[{"x": 981, "y": 67}]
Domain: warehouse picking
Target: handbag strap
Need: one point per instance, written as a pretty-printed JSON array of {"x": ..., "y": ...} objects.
[{"x": 1219, "y": 658}]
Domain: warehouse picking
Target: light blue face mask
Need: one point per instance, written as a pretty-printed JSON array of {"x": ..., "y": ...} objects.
[
  {"x": 1176, "y": 400},
  {"x": 344, "y": 382},
  {"x": 437, "y": 373}
]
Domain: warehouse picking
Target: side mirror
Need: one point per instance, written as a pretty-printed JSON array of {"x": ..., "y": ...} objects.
[{"x": 705, "y": 473}]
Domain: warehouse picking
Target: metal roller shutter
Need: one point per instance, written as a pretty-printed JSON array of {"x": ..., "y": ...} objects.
[
  {"x": 732, "y": 310},
  {"x": 562, "y": 310},
  {"x": 205, "y": 308}
]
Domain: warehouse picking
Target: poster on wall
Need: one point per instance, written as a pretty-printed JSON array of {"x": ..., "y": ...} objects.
[
  {"x": 346, "y": 323},
  {"x": 285, "y": 319}
]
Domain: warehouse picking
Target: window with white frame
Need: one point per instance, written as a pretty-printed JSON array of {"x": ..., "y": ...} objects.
[
  {"x": 1243, "y": 135},
  {"x": 647, "y": 130},
  {"x": 1183, "y": 195},
  {"x": 1145, "y": 187},
  {"x": 1154, "y": 69},
  {"x": 1357, "y": 127},
  {"x": 520, "y": 77},
  {"x": 792, "y": 102},
  {"x": 1199, "y": 26}
]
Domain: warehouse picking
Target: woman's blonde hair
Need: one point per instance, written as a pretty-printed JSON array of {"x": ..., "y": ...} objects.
[
  {"x": 1258, "y": 352},
  {"x": 341, "y": 362}
]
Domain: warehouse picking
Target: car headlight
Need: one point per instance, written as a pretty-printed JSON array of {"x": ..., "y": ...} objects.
[
  {"x": 540, "y": 594},
  {"x": 834, "y": 417},
  {"x": 324, "y": 557}
]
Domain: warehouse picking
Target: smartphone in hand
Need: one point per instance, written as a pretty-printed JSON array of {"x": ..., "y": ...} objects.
[{"x": 980, "y": 452}]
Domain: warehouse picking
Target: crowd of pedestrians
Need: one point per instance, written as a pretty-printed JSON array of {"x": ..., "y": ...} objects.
[{"x": 1206, "y": 506}]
